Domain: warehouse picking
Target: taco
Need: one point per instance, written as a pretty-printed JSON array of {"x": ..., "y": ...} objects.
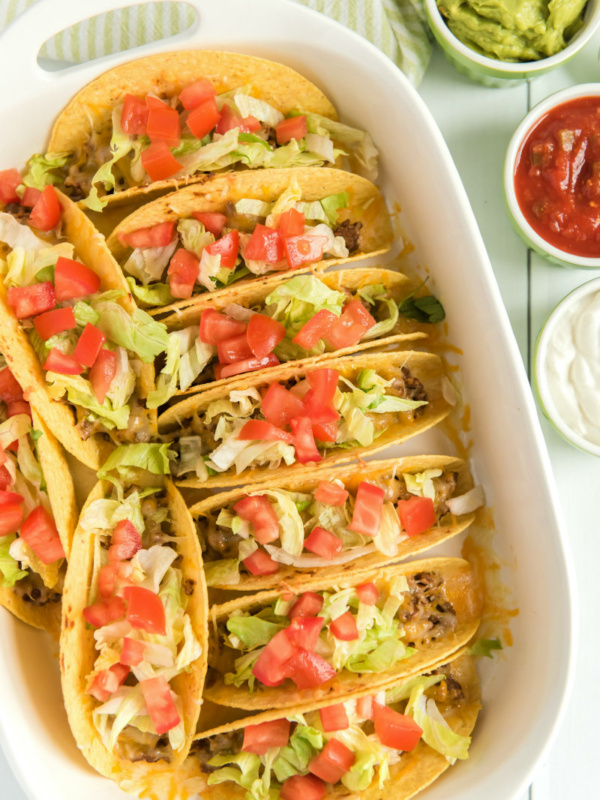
[
  {"x": 280, "y": 648},
  {"x": 157, "y": 122},
  {"x": 254, "y": 327},
  {"x": 240, "y": 226},
  {"x": 133, "y": 641},
  {"x": 271, "y": 426},
  {"x": 326, "y": 524},
  {"x": 71, "y": 333},
  {"x": 391, "y": 744},
  {"x": 38, "y": 513}
]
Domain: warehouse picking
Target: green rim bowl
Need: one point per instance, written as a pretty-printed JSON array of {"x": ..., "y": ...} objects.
[
  {"x": 496, "y": 73},
  {"x": 540, "y": 376}
]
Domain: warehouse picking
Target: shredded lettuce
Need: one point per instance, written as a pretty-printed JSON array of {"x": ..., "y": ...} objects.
[
  {"x": 15, "y": 235},
  {"x": 333, "y": 203},
  {"x": 152, "y": 457},
  {"x": 485, "y": 647},
  {"x": 154, "y": 294},
  {"x": 291, "y": 527},
  {"x": 253, "y": 631},
  {"x": 137, "y": 332},
  {"x": 147, "y": 264},
  {"x": 194, "y": 235},
  {"x": 9, "y": 568},
  {"x": 359, "y": 142},
  {"x": 225, "y": 572},
  {"x": 436, "y": 731},
  {"x": 41, "y": 169}
]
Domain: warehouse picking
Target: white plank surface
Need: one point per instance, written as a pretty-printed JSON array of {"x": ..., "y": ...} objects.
[{"x": 477, "y": 123}]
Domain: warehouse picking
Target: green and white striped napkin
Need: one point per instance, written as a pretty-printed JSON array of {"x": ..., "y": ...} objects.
[{"x": 397, "y": 27}]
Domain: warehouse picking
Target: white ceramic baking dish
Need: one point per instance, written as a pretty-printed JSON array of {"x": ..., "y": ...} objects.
[{"x": 526, "y": 692}]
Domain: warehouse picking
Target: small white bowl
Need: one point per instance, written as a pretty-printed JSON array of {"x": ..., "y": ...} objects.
[
  {"x": 492, "y": 71},
  {"x": 557, "y": 256},
  {"x": 541, "y": 381}
]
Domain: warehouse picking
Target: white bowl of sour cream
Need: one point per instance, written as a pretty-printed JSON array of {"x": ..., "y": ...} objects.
[{"x": 567, "y": 367}]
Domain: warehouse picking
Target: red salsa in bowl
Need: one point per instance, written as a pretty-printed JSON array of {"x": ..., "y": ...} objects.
[{"x": 557, "y": 177}]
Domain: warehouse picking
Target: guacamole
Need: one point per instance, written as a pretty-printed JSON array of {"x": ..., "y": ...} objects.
[{"x": 514, "y": 30}]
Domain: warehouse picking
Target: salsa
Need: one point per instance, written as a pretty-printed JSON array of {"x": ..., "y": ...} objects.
[{"x": 557, "y": 177}]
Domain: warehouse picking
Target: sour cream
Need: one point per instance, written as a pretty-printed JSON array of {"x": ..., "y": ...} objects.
[{"x": 568, "y": 367}]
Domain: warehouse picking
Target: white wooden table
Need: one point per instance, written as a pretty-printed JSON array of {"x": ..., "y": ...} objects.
[{"x": 477, "y": 124}]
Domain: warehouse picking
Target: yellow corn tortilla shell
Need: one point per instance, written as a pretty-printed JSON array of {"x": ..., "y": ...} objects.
[
  {"x": 77, "y": 652},
  {"x": 167, "y": 74},
  {"x": 424, "y": 366},
  {"x": 253, "y": 294},
  {"x": 351, "y": 477},
  {"x": 366, "y": 205},
  {"x": 59, "y": 417},
  {"x": 414, "y": 772},
  {"x": 462, "y": 592}
]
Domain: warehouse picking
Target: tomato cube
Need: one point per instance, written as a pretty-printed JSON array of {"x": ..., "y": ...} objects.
[
  {"x": 260, "y": 430},
  {"x": 364, "y": 707},
  {"x": 258, "y": 511},
  {"x": 291, "y": 223},
  {"x": 259, "y": 739},
  {"x": 57, "y": 361},
  {"x": 227, "y": 247},
  {"x": 216, "y": 327},
  {"x": 45, "y": 215},
  {"x": 268, "y": 668},
  {"x": 236, "y": 349},
  {"x": 40, "y": 533},
  {"x": 159, "y": 162},
  {"x": 303, "y": 787},
  {"x": 344, "y": 627},
  {"x": 417, "y": 514},
  {"x": 213, "y": 221},
  {"x": 323, "y": 386},
  {"x": 27, "y": 301},
  {"x": 103, "y": 613},
  {"x": 30, "y": 197},
  {"x": 108, "y": 681},
  {"x": 107, "y": 581},
  {"x": 73, "y": 280},
  {"x": 307, "y": 605},
  {"x": 265, "y": 244},
  {"x": 155, "y": 236},
  {"x": 292, "y": 128},
  {"x": 260, "y": 563},
  {"x": 160, "y": 704},
  {"x": 125, "y": 541},
  {"x": 197, "y": 93},
  {"x": 163, "y": 124},
  {"x": 304, "y": 441},
  {"x": 102, "y": 373},
  {"x": 10, "y": 497},
  {"x": 10, "y": 390},
  {"x": 303, "y": 249},
  {"x": 394, "y": 729},
  {"x": 9, "y": 180},
  {"x": 134, "y": 116},
  {"x": 279, "y": 405},
  {"x": 183, "y": 273},
  {"x": 264, "y": 334},
  {"x": 304, "y": 631},
  {"x": 11, "y": 517},
  {"x": 132, "y": 653},
  {"x": 317, "y": 328},
  {"x": 89, "y": 345},
  {"x": 368, "y": 509},
  {"x": 308, "y": 670},
  {"x": 145, "y": 610},
  {"x": 334, "y": 718},
  {"x": 56, "y": 321},
  {"x": 333, "y": 762},
  {"x": 368, "y": 593},
  {"x": 323, "y": 543},
  {"x": 203, "y": 118},
  {"x": 247, "y": 365},
  {"x": 331, "y": 494}
]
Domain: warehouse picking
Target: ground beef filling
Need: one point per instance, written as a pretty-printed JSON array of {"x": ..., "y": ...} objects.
[
  {"x": 449, "y": 690},
  {"x": 205, "y": 749},
  {"x": 32, "y": 590},
  {"x": 426, "y": 612},
  {"x": 350, "y": 233}
]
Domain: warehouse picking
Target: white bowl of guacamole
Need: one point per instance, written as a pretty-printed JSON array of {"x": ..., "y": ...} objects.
[{"x": 503, "y": 42}]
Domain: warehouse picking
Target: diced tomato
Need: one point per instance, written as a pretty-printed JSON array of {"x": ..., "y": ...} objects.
[
  {"x": 261, "y": 563},
  {"x": 279, "y": 405},
  {"x": 308, "y": 670},
  {"x": 304, "y": 441},
  {"x": 323, "y": 543},
  {"x": 264, "y": 334},
  {"x": 266, "y": 244},
  {"x": 28, "y": 301},
  {"x": 334, "y": 718},
  {"x": 259, "y": 512},
  {"x": 395, "y": 730},
  {"x": 268, "y": 668},
  {"x": 134, "y": 116},
  {"x": 45, "y": 215},
  {"x": 125, "y": 541},
  {"x": 9, "y": 180},
  {"x": 18, "y": 407},
  {"x": 333, "y": 762},
  {"x": 235, "y": 349},
  {"x": 101, "y": 614},
  {"x": 417, "y": 514},
  {"x": 359, "y": 313},
  {"x": 159, "y": 162},
  {"x": 56, "y": 321},
  {"x": 227, "y": 247},
  {"x": 346, "y": 331},
  {"x": 30, "y": 197},
  {"x": 259, "y": 739},
  {"x": 88, "y": 345},
  {"x": 57, "y": 361},
  {"x": 303, "y": 249},
  {"x": 132, "y": 653},
  {"x": 250, "y": 124},
  {"x": 368, "y": 509},
  {"x": 124, "y": 570},
  {"x": 260, "y": 430},
  {"x": 331, "y": 494},
  {"x": 215, "y": 327},
  {"x": 103, "y": 373},
  {"x": 145, "y": 609},
  {"x": 247, "y": 365},
  {"x": 304, "y": 631},
  {"x": 323, "y": 385},
  {"x": 40, "y": 533},
  {"x": 72, "y": 280},
  {"x": 160, "y": 704},
  {"x": 364, "y": 707},
  {"x": 292, "y": 128},
  {"x": 5, "y": 478},
  {"x": 213, "y": 221},
  {"x": 229, "y": 120},
  {"x": 315, "y": 329},
  {"x": 10, "y": 497},
  {"x": 10, "y": 391},
  {"x": 303, "y": 787},
  {"x": 155, "y": 236},
  {"x": 11, "y": 517},
  {"x": 183, "y": 273},
  {"x": 325, "y": 431},
  {"x": 163, "y": 123},
  {"x": 107, "y": 581},
  {"x": 291, "y": 223},
  {"x": 307, "y": 605},
  {"x": 368, "y": 593},
  {"x": 203, "y": 118},
  {"x": 344, "y": 627},
  {"x": 108, "y": 681},
  {"x": 197, "y": 93}
]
